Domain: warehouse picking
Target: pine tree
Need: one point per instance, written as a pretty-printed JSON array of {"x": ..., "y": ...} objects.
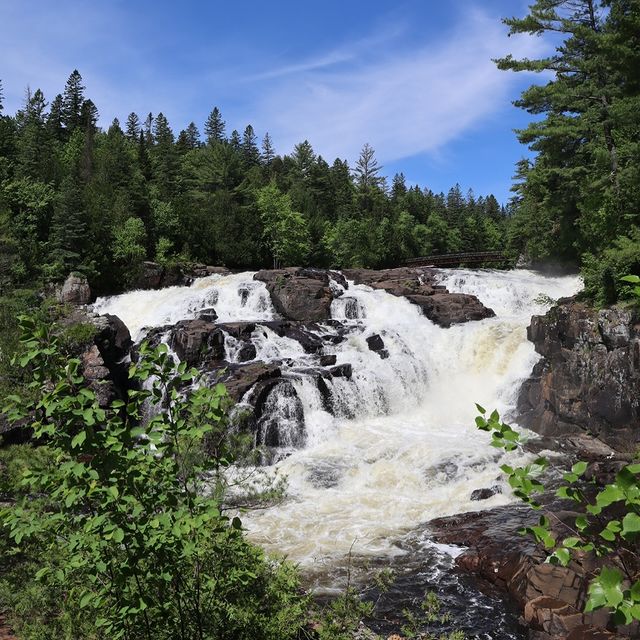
[
  {"x": 214, "y": 127},
  {"x": 367, "y": 169},
  {"x": 235, "y": 141},
  {"x": 72, "y": 100},
  {"x": 303, "y": 158},
  {"x": 250, "y": 152},
  {"x": 188, "y": 139},
  {"x": 268, "y": 152},
  {"x": 133, "y": 126},
  {"x": 55, "y": 126},
  {"x": 89, "y": 115}
]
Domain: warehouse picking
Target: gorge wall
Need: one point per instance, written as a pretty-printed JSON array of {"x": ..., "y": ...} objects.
[{"x": 588, "y": 379}]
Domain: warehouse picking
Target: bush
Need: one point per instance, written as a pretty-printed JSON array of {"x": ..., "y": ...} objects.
[{"x": 128, "y": 540}]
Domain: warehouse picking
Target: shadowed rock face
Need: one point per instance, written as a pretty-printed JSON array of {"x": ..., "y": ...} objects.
[
  {"x": 589, "y": 377},
  {"x": 418, "y": 285}
]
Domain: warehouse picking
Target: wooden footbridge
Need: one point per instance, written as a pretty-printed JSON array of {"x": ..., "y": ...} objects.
[{"x": 460, "y": 259}]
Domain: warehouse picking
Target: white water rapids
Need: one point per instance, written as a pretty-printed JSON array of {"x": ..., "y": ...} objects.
[{"x": 401, "y": 447}]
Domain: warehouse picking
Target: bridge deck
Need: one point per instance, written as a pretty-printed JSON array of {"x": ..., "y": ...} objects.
[{"x": 456, "y": 259}]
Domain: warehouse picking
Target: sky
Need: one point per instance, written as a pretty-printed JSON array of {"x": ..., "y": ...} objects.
[{"x": 412, "y": 78}]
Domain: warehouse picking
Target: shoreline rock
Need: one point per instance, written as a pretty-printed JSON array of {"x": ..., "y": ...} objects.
[{"x": 589, "y": 375}]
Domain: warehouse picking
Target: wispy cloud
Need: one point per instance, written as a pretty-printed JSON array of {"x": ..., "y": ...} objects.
[{"x": 404, "y": 104}]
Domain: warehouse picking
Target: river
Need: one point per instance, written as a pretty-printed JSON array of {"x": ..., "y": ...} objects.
[{"x": 398, "y": 447}]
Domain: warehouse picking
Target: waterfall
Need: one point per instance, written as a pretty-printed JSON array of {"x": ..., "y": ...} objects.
[{"x": 371, "y": 456}]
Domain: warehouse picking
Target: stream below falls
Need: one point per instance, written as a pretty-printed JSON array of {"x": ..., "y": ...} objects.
[{"x": 398, "y": 447}]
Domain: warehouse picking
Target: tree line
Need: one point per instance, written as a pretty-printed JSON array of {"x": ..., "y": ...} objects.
[{"x": 74, "y": 197}]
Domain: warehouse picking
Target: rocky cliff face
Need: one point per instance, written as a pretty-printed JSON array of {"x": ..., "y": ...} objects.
[{"x": 589, "y": 377}]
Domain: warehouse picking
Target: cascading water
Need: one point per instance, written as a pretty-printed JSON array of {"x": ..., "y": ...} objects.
[{"x": 393, "y": 446}]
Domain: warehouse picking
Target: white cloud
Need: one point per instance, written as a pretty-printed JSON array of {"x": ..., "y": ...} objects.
[{"x": 404, "y": 104}]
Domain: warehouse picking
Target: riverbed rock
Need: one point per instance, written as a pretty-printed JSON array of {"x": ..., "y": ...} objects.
[
  {"x": 197, "y": 342},
  {"x": 238, "y": 379},
  {"x": 419, "y": 286},
  {"x": 75, "y": 290},
  {"x": 299, "y": 294},
  {"x": 589, "y": 377}
]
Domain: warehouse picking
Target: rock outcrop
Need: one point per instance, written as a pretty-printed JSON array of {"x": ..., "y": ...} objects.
[
  {"x": 75, "y": 290},
  {"x": 589, "y": 376},
  {"x": 300, "y": 294},
  {"x": 418, "y": 285},
  {"x": 551, "y": 597}
]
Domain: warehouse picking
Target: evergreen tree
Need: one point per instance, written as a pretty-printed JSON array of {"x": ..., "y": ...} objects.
[
  {"x": 72, "y": 101},
  {"x": 303, "y": 158},
  {"x": 133, "y": 126},
  {"x": 188, "y": 139},
  {"x": 268, "y": 152},
  {"x": 88, "y": 115},
  {"x": 214, "y": 127},
  {"x": 235, "y": 141},
  {"x": 55, "y": 124},
  {"x": 250, "y": 152},
  {"x": 367, "y": 169}
]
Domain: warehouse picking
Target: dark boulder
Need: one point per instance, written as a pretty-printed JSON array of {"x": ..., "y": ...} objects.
[
  {"x": 299, "y": 294},
  {"x": 208, "y": 315},
  {"x": 418, "y": 285},
  {"x": 342, "y": 371},
  {"x": 485, "y": 493},
  {"x": 239, "y": 378},
  {"x": 197, "y": 342},
  {"x": 589, "y": 377},
  {"x": 446, "y": 309},
  {"x": 376, "y": 343}
]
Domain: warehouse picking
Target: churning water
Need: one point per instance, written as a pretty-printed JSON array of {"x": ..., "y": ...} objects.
[{"x": 399, "y": 446}]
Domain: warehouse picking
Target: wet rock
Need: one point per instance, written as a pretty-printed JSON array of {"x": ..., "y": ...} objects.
[
  {"x": 446, "y": 309},
  {"x": 238, "y": 379},
  {"x": 485, "y": 493},
  {"x": 376, "y": 344},
  {"x": 299, "y": 294},
  {"x": 327, "y": 360},
  {"x": 208, "y": 315},
  {"x": 238, "y": 330},
  {"x": 112, "y": 338},
  {"x": 197, "y": 342},
  {"x": 589, "y": 376},
  {"x": 417, "y": 284},
  {"x": 342, "y": 371},
  {"x": 246, "y": 352},
  {"x": 75, "y": 290}
]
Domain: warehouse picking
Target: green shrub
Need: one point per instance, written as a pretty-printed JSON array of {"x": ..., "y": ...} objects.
[
  {"x": 125, "y": 536},
  {"x": 603, "y": 273}
]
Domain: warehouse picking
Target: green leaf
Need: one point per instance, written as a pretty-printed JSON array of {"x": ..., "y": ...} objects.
[
  {"x": 86, "y": 599},
  {"x": 630, "y": 523},
  {"x": 78, "y": 439},
  {"x": 579, "y": 468},
  {"x": 482, "y": 410}
]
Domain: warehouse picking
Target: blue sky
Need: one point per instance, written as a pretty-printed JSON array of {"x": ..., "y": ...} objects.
[{"x": 413, "y": 78}]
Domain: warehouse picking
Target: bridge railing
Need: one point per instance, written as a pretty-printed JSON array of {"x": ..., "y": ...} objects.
[{"x": 458, "y": 258}]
